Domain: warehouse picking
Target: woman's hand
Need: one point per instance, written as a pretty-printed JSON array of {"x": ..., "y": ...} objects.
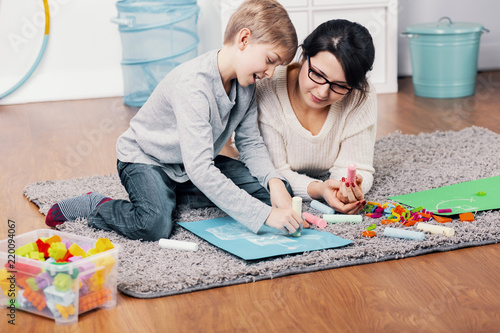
[
  {"x": 351, "y": 192},
  {"x": 338, "y": 196},
  {"x": 344, "y": 208}
]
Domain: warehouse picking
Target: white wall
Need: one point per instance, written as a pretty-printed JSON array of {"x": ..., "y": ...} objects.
[
  {"x": 83, "y": 55},
  {"x": 84, "y": 51},
  {"x": 82, "y": 59},
  {"x": 485, "y": 12}
]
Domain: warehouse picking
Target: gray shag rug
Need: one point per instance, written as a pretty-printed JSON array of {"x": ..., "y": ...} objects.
[{"x": 403, "y": 163}]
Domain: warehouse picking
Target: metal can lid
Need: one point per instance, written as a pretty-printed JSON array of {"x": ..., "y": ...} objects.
[{"x": 445, "y": 26}]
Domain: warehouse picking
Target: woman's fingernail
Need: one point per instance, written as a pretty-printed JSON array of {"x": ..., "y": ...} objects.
[
  {"x": 347, "y": 184},
  {"x": 352, "y": 184},
  {"x": 343, "y": 179}
]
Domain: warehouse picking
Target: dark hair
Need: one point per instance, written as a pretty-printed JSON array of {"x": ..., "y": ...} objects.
[{"x": 352, "y": 45}]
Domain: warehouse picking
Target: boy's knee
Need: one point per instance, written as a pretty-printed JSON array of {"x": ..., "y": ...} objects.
[{"x": 158, "y": 225}]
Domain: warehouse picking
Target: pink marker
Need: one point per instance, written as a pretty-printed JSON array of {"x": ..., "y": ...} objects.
[
  {"x": 317, "y": 221},
  {"x": 445, "y": 210},
  {"x": 351, "y": 173}
]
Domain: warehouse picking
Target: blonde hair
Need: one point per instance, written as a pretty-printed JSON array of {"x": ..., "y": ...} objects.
[{"x": 268, "y": 22}]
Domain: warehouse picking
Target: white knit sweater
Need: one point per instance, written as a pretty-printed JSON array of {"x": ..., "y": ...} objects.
[{"x": 348, "y": 135}]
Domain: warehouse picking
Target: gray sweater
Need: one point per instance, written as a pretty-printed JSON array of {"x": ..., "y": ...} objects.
[{"x": 185, "y": 123}]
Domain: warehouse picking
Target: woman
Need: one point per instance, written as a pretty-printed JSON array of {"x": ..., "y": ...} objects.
[{"x": 319, "y": 115}]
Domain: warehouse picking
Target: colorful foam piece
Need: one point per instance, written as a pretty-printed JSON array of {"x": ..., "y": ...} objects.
[
  {"x": 57, "y": 250},
  {"x": 466, "y": 217},
  {"x": 26, "y": 249},
  {"x": 76, "y": 250},
  {"x": 441, "y": 219},
  {"x": 62, "y": 282},
  {"x": 94, "y": 299},
  {"x": 36, "y": 298},
  {"x": 53, "y": 239}
]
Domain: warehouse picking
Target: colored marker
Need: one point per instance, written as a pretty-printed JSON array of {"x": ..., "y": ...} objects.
[
  {"x": 351, "y": 173},
  {"x": 445, "y": 210},
  {"x": 297, "y": 206},
  {"x": 322, "y": 207},
  {"x": 436, "y": 229},
  {"x": 317, "y": 221},
  {"x": 342, "y": 218},
  {"x": 402, "y": 233},
  {"x": 177, "y": 245}
]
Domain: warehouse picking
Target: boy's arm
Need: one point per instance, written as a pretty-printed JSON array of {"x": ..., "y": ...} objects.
[
  {"x": 252, "y": 149},
  {"x": 197, "y": 148}
]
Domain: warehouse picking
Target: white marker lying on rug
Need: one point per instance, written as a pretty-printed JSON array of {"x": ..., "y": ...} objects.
[
  {"x": 436, "y": 229},
  {"x": 342, "y": 218},
  {"x": 402, "y": 233},
  {"x": 322, "y": 207},
  {"x": 297, "y": 206},
  {"x": 177, "y": 245}
]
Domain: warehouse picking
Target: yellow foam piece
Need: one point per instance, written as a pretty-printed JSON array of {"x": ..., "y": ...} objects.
[
  {"x": 26, "y": 249},
  {"x": 4, "y": 283},
  {"x": 76, "y": 250},
  {"x": 65, "y": 311},
  {"x": 37, "y": 256},
  {"x": 53, "y": 239},
  {"x": 103, "y": 244},
  {"x": 57, "y": 250}
]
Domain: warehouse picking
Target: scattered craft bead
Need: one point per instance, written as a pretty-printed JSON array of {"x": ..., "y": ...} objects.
[{"x": 369, "y": 233}]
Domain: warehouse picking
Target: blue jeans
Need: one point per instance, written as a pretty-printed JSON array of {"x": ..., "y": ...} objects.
[{"x": 154, "y": 196}]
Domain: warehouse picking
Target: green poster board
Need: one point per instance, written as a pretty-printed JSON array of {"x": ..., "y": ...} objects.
[{"x": 461, "y": 198}]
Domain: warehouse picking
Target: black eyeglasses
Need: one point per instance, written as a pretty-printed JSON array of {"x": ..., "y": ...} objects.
[{"x": 320, "y": 79}]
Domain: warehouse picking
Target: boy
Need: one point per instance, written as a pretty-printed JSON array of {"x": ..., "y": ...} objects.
[{"x": 169, "y": 153}]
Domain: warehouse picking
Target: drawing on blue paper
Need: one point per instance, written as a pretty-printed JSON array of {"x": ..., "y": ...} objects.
[
  {"x": 233, "y": 237},
  {"x": 235, "y": 231}
]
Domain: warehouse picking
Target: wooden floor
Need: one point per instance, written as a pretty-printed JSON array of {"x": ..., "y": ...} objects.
[{"x": 456, "y": 291}]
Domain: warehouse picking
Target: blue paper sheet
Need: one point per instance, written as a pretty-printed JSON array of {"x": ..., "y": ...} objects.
[{"x": 233, "y": 237}]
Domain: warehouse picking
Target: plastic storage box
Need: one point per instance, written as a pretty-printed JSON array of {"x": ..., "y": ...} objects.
[
  {"x": 444, "y": 57},
  {"x": 156, "y": 36},
  {"x": 58, "y": 290}
]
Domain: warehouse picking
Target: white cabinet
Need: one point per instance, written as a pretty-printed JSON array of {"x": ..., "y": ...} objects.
[{"x": 380, "y": 17}]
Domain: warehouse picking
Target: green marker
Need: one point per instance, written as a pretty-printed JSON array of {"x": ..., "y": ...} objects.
[
  {"x": 330, "y": 218},
  {"x": 297, "y": 206}
]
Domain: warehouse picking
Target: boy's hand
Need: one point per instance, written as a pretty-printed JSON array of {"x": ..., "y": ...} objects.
[
  {"x": 280, "y": 198},
  {"x": 284, "y": 219}
]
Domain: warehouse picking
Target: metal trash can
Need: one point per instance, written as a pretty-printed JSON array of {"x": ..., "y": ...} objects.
[
  {"x": 156, "y": 36},
  {"x": 444, "y": 57}
]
